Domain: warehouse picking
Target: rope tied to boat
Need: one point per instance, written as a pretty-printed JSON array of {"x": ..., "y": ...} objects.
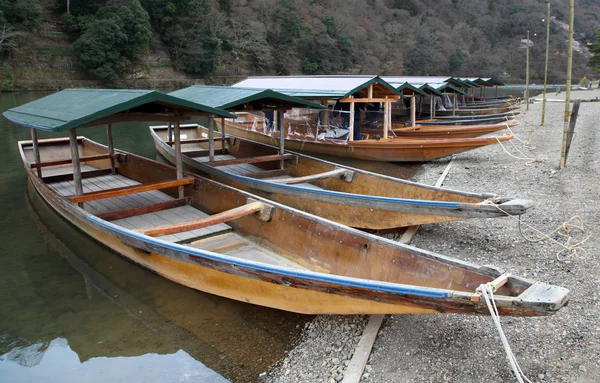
[
  {"x": 565, "y": 230},
  {"x": 487, "y": 292},
  {"x": 541, "y": 158}
]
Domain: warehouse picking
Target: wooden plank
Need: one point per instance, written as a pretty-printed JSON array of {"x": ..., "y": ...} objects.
[
  {"x": 129, "y": 190},
  {"x": 68, "y": 161},
  {"x": 357, "y": 364},
  {"x": 310, "y": 178},
  {"x": 354, "y": 371},
  {"x": 214, "y": 219},
  {"x": 120, "y": 214},
  {"x": 201, "y": 153},
  {"x": 196, "y": 140},
  {"x": 69, "y": 176},
  {"x": 269, "y": 173},
  {"x": 220, "y": 243},
  {"x": 251, "y": 160}
]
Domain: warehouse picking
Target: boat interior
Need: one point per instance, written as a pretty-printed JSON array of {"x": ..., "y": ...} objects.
[
  {"x": 255, "y": 160},
  {"x": 142, "y": 195}
]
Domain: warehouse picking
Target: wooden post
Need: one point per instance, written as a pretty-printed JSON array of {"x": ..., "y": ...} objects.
[
  {"x": 178, "y": 158},
  {"x": 211, "y": 140},
  {"x": 390, "y": 116},
  {"x": 111, "y": 148},
  {"x": 571, "y": 130},
  {"x": 496, "y": 91},
  {"x": 454, "y": 104},
  {"x": 169, "y": 132},
  {"x": 464, "y": 100},
  {"x": 280, "y": 128},
  {"x": 386, "y": 110},
  {"x": 76, "y": 164},
  {"x": 351, "y": 127},
  {"x": 413, "y": 111},
  {"x": 546, "y": 69},
  {"x": 563, "y": 154},
  {"x": 527, "y": 72},
  {"x": 223, "y": 135},
  {"x": 434, "y": 105},
  {"x": 36, "y": 150}
]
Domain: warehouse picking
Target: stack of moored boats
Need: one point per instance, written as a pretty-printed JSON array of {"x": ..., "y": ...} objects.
[{"x": 255, "y": 222}]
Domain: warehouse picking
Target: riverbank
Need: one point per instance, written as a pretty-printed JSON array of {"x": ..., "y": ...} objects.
[{"x": 561, "y": 348}]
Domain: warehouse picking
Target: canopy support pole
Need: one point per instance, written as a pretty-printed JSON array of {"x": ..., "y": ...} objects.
[
  {"x": 386, "y": 112},
  {"x": 36, "y": 150},
  {"x": 434, "y": 106},
  {"x": 223, "y": 135},
  {"x": 390, "y": 117},
  {"x": 211, "y": 140},
  {"x": 431, "y": 106},
  {"x": 351, "y": 127},
  {"x": 280, "y": 128},
  {"x": 454, "y": 104},
  {"x": 178, "y": 158},
  {"x": 413, "y": 111},
  {"x": 169, "y": 132},
  {"x": 111, "y": 148},
  {"x": 496, "y": 91},
  {"x": 75, "y": 162}
]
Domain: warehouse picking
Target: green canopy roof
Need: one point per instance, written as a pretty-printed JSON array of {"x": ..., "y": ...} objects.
[
  {"x": 430, "y": 90},
  {"x": 226, "y": 97},
  {"x": 408, "y": 88},
  {"x": 74, "y": 108}
]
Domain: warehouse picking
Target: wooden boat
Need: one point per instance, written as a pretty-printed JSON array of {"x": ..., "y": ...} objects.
[
  {"x": 343, "y": 194},
  {"x": 230, "y": 243},
  {"x": 470, "y": 121},
  {"x": 453, "y": 131},
  {"x": 396, "y": 149}
]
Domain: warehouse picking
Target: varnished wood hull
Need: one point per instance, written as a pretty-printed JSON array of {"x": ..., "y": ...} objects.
[
  {"x": 368, "y": 200},
  {"x": 340, "y": 270},
  {"x": 450, "y": 131},
  {"x": 389, "y": 150}
]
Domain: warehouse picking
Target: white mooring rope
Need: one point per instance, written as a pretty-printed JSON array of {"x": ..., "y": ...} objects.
[{"x": 487, "y": 291}]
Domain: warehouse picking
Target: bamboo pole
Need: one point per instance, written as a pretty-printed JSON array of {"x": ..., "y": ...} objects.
[
  {"x": 36, "y": 150},
  {"x": 568, "y": 93},
  {"x": 386, "y": 109},
  {"x": 211, "y": 140},
  {"x": 527, "y": 72},
  {"x": 546, "y": 69},
  {"x": 413, "y": 111},
  {"x": 76, "y": 164},
  {"x": 111, "y": 148},
  {"x": 454, "y": 104},
  {"x": 351, "y": 127},
  {"x": 280, "y": 128},
  {"x": 170, "y": 132},
  {"x": 178, "y": 159},
  {"x": 223, "y": 135}
]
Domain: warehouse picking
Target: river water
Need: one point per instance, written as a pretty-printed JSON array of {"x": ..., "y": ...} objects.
[{"x": 74, "y": 311}]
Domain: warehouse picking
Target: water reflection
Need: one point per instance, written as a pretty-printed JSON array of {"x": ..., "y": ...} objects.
[{"x": 57, "y": 362}]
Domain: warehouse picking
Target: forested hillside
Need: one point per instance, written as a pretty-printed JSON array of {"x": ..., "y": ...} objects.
[{"x": 112, "y": 39}]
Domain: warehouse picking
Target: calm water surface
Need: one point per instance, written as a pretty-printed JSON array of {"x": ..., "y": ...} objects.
[{"x": 74, "y": 311}]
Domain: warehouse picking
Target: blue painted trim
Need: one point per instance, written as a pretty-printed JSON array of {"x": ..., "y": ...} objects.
[
  {"x": 370, "y": 198},
  {"x": 310, "y": 275}
]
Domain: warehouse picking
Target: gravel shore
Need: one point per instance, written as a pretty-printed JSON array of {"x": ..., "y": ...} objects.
[{"x": 561, "y": 348}]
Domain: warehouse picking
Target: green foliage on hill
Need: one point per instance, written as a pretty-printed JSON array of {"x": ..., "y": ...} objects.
[
  {"x": 410, "y": 37},
  {"x": 109, "y": 41}
]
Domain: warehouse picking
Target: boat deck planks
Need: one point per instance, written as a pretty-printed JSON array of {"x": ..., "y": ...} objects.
[
  {"x": 173, "y": 216},
  {"x": 236, "y": 246}
]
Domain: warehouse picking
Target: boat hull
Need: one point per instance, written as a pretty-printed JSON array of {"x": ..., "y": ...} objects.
[
  {"x": 389, "y": 150},
  {"x": 312, "y": 291},
  {"x": 449, "y": 131},
  {"x": 354, "y": 203}
]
